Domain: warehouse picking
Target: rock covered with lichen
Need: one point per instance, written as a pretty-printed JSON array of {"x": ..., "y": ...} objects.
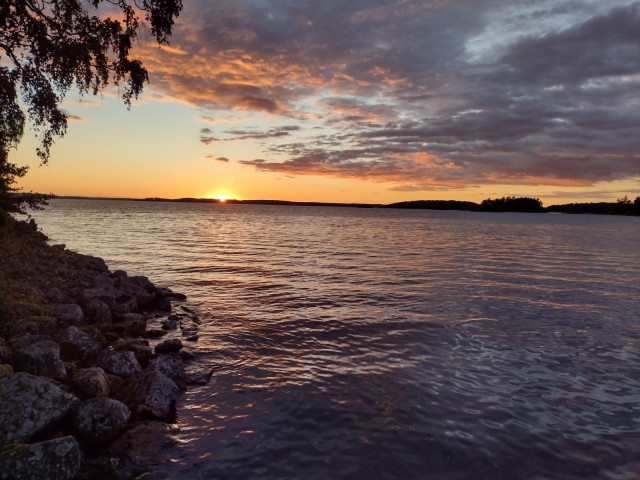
[{"x": 79, "y": 367}]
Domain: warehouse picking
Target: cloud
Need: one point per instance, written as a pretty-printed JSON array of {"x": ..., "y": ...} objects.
[
  {"x": 216, "y": 159},
  {"x": 424, "y": 94}
]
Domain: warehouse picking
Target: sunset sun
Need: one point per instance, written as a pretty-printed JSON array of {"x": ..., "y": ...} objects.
[{"x": 221, "y": 197}]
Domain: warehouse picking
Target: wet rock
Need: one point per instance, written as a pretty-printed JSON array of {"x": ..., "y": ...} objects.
[
  {"x": 77, "y": 345},
  {"x": 90, "y": 383},
  {"x": 99, "y": 420},
  {"x": 168, "y": 346},
  {"x": 172, "y": 367},
  {"x": 154, "y": 333},
  {"x": 30, "y": 405},
  {"x": 41, "y": 358},
  {"x": 131, "y": 452},
  {"x": 148, "y": 394},
  {"x": 96, "y": 311},
  {"x": 139, "y": 347},
  {"x": 68, "y": 314},
  {"x": 170, "y": 294},
  {"x": 171, "y": 322},
  {"x": 124, "y": 364},
  {"x": 57, "y": 459}
]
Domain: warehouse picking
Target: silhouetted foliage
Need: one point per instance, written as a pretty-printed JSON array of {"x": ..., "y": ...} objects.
[
  {"x": 436, "y": 205},
  {"x": 623, "y": 206},
  {"x": 48, "y": 46},
  {"x": 512, "y": 204}
]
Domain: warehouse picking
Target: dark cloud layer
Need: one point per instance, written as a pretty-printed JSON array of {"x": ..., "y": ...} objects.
[{"x": 426, "y": 94}]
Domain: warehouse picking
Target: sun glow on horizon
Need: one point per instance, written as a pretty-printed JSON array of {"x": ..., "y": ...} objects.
[{"x": 221, "y": 197}]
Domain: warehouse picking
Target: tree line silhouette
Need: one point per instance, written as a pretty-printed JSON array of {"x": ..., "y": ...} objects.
[{"x": 623, "y": 206}]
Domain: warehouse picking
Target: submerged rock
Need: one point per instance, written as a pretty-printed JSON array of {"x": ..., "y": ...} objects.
[
  {"x": 57, "y": 459},
  {"x": 100, "y": 420},
  {"x": 30, "y": 405}
]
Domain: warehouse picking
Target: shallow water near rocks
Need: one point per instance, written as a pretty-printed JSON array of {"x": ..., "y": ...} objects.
[{"x": 389, "y": 344}]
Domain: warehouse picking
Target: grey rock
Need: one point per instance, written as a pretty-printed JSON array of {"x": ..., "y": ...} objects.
[
  {"x": 18, "y": 342},
  {"x": 68, "y": 314},
  {"x": 41, "y": 358},
  {"x": 77, "y": 345},
  {"x": 133, "y": 328},
  {"x": 149, "y": 394},
  {"x": 30, "y": 405},
  {"x": 5, "y": 351},
  {"x": 125, "y": 304},
  {"x": 96, "y": 311},
  {"x": 139, "y": 347},
  {"x": 90, "y": 383},
  {"x": 57, "y": 459},
  {"x": 100, "y": 420},
  {"x": 127, "y": 317},
  {"x": 168, "y": 346},
  {"x": 124, "y": 364},
  {"x": 172, "y": 367}
]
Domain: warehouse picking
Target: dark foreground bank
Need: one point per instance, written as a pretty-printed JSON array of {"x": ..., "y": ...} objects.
[{"x": 91, "y": 362}]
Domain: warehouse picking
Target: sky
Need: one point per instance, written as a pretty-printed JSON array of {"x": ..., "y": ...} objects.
[{"x": 371, "y": 101}]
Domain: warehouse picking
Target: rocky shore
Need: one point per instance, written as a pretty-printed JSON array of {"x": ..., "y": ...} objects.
[{"x": 91, "y": 362}]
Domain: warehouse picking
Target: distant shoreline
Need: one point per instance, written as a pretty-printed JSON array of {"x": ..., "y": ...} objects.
[{"x": 597, "y": 208}]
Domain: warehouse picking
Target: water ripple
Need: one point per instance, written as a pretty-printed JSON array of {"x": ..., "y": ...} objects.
[{"x": 351, "y": 343}]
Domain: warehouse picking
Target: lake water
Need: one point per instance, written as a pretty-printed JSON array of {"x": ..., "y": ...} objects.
[{"x": 390, "y": 344}]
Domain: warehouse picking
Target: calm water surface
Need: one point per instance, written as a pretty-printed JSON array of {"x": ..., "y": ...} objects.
[{"x": 390, "y": 344}]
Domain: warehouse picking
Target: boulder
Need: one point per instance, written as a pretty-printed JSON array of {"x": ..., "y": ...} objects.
[
  {"x": 124, "y": 364},
  {"x": 34, "y": 324},
  {"x": 96, "y": 311},
  {"x": 168, "y": 346},
  {"x": 132, "y": 451},
  {"x": 139, "y": 347},
  {"x": 172, "y": 367},
  {"x": 57, "y": 459},
  {"x": 154, "y": 333},
  {"x": 131, "y": 328},
  {"x": 125, "y": 304},
  {"x": 30, "y": 405},
  {"x": 90, "y": 383},
  {"x": 5, "y": 351},
  {"x": 99, "y": 420},
  {"x": 77, "y": 345},
  {"x": 127, "y": 317},
  {"x": 171, "y": 322},
  {"x": 41, "y": 358},
  {"x": 68, "y": 314},
  {"x": 148, "y": 394}
]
